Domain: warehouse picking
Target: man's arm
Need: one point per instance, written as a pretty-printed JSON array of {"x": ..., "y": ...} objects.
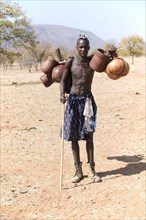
[{"x": 63, "y": 80}]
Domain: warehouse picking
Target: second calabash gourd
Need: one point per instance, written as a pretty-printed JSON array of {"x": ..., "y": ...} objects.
[{"x": 117, "y": 68}]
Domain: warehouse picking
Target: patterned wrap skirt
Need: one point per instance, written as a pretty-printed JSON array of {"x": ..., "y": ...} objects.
[{"x": 74, "y": 129}]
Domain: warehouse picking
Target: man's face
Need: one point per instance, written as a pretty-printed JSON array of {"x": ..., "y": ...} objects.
[{"x": 83, "y": 47}]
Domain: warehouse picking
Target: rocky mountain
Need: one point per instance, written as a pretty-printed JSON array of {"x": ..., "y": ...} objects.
[{"x": 65, "y": 36}]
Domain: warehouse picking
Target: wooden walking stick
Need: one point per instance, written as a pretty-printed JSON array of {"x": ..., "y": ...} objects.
[{"x": 62, "y": 147}]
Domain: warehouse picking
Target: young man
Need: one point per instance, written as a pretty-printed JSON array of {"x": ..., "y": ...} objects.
[{"x": 80, "y": 112}]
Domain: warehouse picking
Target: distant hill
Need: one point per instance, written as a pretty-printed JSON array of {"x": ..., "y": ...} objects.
[{"x": 65, "y": 36}]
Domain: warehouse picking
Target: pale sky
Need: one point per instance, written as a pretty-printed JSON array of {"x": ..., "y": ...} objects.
[{"x": 107, "y": 19}]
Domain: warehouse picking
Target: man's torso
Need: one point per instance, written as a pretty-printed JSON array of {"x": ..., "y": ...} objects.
[{"x": 82, "y": 76}]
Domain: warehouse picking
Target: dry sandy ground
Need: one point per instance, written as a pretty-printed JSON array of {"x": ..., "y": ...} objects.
[{"x": 31, "y": 151}]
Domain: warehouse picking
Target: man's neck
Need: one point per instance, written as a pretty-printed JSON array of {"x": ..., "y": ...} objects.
[{"x": 81, "y": 59}]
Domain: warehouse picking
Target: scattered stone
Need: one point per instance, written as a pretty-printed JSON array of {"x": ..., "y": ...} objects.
[
  {"x": 14, "y": 83},
  {"x": 121, "y": 118},
  {"x": 31, "y": 128},
  {"x": 23, "y": 191}
]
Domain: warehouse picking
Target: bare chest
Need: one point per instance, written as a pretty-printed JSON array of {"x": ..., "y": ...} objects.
[{"x": 81, "y": 70}]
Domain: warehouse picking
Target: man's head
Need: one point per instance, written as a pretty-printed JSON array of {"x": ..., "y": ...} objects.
[{"x": 83, "y": 45}]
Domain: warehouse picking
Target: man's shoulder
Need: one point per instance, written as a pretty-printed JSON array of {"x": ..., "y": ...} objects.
[{"x": 69, "y": 61}]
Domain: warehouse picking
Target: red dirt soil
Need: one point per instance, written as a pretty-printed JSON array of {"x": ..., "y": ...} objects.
[{"x": 31, "y": 151}]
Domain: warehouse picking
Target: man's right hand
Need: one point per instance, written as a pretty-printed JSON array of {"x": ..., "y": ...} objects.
[{"x": 63, "y": 98}]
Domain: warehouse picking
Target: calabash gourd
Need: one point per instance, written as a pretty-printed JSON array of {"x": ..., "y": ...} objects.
[
  {"x": 57, "y": 73},
  {"x": 48, "y": 66},
  {"x": 117, "y": 68},
  {"x": 46, "y": 80}
]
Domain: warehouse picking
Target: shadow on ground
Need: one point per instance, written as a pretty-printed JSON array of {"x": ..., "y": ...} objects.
[
  {"x": 133, "y": 167},
  {"x": 128, "y": 159}
]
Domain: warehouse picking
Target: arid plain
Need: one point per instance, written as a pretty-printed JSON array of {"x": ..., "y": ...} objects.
[{"x": 31, "y": 116}]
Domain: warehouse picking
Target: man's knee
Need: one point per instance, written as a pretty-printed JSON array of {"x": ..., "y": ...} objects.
[
  {"x": 75, "y": 145},
  {"x": 90, "y": 138}
]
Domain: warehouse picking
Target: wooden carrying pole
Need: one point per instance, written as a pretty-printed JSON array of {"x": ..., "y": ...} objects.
[{"x": 62, "y": 147}]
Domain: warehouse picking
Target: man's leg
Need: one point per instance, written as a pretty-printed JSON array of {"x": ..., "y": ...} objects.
[
  {"x": 78, "y": 164},
  {"x": 90, "y": 149},
  {"x": 90, "y": 158},
  {"x": 75, "y": 151}
]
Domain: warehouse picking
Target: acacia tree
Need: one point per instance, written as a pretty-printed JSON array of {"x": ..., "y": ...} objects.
[
  {"x": 109, "y": 44},
  {"x": 133, "y": 45},
  {"x": 37, "y": 52},
  {"x": 16, "y": 31}
]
